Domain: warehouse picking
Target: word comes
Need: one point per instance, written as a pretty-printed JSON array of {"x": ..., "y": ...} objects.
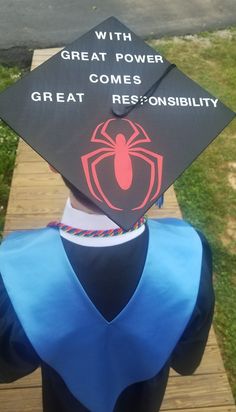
[{"x": 114, "y": 79}]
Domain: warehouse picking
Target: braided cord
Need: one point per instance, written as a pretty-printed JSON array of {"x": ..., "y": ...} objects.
[{"x": 95, "y": 233}]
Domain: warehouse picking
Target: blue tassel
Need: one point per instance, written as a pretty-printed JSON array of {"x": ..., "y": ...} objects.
[{"x": 160, "y": 201}]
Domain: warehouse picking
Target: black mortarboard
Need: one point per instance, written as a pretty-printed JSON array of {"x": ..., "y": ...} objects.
[{"x": 115, "y": 118}]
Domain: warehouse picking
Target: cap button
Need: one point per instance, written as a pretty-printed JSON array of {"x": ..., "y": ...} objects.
[{"x": 119, "y": 113}]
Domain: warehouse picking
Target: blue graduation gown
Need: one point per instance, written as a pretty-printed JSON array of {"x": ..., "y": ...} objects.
[{"x": 176, "y": 237}]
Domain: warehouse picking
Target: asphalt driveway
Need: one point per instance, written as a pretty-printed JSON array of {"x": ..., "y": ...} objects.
[{"x": 26, "y": 24}]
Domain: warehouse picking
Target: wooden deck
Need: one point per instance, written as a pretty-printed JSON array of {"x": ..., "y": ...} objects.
[{"x": 38, "y": 196}]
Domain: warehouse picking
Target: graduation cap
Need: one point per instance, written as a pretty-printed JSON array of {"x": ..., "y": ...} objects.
[{"x": 114, "y": 118}]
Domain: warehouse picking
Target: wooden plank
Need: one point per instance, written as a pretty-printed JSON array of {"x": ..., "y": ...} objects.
[
  {"x": 42, "y": 55},
  {"x": 31, "y": 221},
  {"x": 23, "y": 212},
  {"x": 47, "y": 52},
  {"x": 29, "y": 157},
  {"x": 161, "y": 213},
  {"x": 43, "y": 179},
  {"x": 31, "y": 167},
  {"x": 211, "y": 362},
  {"x": 36, "y": 193},
  {"x": 182, "y": 393},
  {"x": 208, "y": 409},
  {"x": 41, "y": 206},
  {"x": 170, "y": 208},
  {"x": 197, "y": 392},
  {"x": 21, "y": 400},
  {"x": 26, "y": 154},
  {"x": 212, "y": 337},
  {"x": 40, "y": 216},
  {"x": 32, "y": 380}
]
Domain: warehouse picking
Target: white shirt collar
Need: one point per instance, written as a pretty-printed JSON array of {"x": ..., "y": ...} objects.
[{"x": 86, "y": 221}]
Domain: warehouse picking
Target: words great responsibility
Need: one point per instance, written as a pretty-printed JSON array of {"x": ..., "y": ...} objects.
[{"x": 125, "y": 99}]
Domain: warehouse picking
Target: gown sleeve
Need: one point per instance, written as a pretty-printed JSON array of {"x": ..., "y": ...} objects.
[
  {"x": 189, "y": 351},
  {"x": 17, "y": 356}
]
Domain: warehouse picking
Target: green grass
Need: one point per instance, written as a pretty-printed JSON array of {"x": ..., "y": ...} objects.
[
  {"x": 8, "y": 145},
  {"x": 205, "y": 191},
  {"x": 206, "y": 197}
]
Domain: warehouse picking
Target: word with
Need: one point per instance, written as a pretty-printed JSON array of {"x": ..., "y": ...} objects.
[
  {"x": 109, "y": 35},
  {"x": 114, "y": 79},
  {"x": 83, "y": 56},
  {"x": 165, "y": 101},
  {"x": 59, "y": 97}
]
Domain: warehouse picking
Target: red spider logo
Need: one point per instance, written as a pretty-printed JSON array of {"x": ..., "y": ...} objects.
[{"x": 122, "y": 149}]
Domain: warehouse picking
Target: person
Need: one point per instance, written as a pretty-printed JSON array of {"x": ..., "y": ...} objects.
[
  {"x": 105, "y": 301},
  {"x": 109, "y": 270}
]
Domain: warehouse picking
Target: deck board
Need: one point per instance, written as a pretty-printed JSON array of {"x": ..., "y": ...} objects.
[{"x": 38, "y": 196}]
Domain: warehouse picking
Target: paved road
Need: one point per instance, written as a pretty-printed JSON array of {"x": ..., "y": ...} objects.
[{"x": 45, "y": 23}]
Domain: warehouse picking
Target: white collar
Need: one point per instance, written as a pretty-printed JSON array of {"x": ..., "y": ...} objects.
[{"x": 86, "y": 221}]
